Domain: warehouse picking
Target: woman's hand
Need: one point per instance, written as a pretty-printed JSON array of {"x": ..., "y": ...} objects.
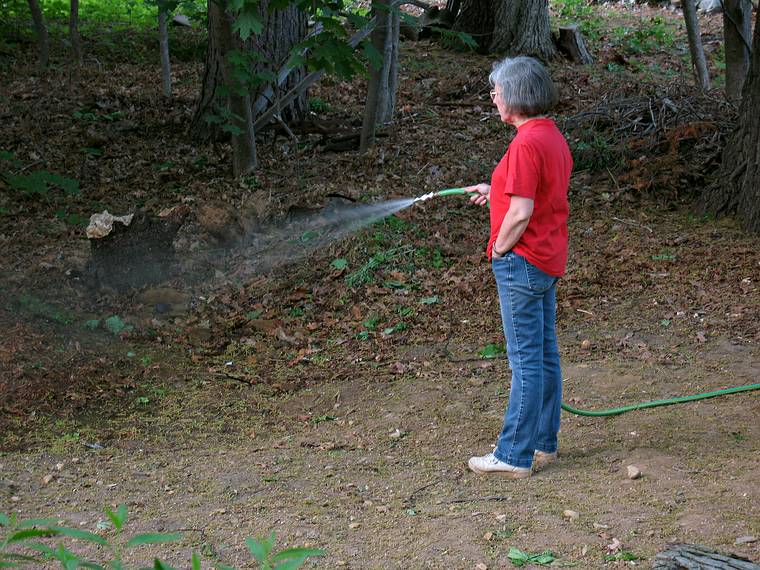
[{"x": 480, "y": 195}]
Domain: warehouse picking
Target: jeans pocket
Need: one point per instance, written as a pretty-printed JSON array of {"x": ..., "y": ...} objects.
[{"x": 538, "y": 280}]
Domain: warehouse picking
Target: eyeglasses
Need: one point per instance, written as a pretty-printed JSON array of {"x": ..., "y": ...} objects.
[{"x": 493, "y": 94}]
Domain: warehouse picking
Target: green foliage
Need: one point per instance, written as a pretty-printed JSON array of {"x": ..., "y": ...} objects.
[
  {"x": 492, "y": 351},
  {"x": 624, "y": 555},
  {"x": 289, "y": 559},
  {"x": 581, "y": 13},
  {"x": 592, "y": 152},
  {"x": 648, "y": 37},
  {"x": 520, "y": 558},
  {"x": 319, "y": 105},
  {"x": 365, "y": 274},
  {"x": 38, "y": 308},
  {"x": 21, "y": 536}
]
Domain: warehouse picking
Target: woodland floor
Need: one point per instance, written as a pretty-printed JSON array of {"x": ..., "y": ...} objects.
[{"x": 342, "y": 417}]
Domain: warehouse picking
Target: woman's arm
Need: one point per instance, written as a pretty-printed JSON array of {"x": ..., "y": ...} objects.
[{"x": 514, "y": 224}]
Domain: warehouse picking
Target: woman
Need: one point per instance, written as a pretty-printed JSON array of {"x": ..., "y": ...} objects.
[{"x": 528, "y": 252}]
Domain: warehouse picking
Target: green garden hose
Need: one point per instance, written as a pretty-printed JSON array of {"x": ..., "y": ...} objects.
[{"x": 621, "y": 410}]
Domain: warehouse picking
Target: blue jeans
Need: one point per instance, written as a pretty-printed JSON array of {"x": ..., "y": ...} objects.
[{"x": 528, "y": 302}]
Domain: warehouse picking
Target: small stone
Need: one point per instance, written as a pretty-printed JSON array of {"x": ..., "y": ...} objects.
[
  {"x": 382, "y": 508},
  {"x": 501, "y": 517},
  {"x": 59, "y": 466},
  {"x": 47, "y": 479},
  {"x": 585, "y": 344},
  {"x": 481, "y": 566},
  {"x": 341, "y": 563},
  {"x": 600, "y": 526},
  {"x": 397, "y": 433},
  {"x": 488, "y": 536},
  {"x": 570, "y": 515},
  {"x": 368, "y": 503},
  {"x": 354, "y": 525},
  {"x": 15, "y": 498},
  {"x": 746, "y": 539},
  {"x": 476, "y": 381},
  {"x": 633, "y": 472}
]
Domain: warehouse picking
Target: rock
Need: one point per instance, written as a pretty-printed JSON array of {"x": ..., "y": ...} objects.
[
  {"x": 633, "y": 472},
  {"x": 481, "y": 566},
  {"x": 59, "y": 466},
  {"x": 47, "y": 479},
  {"x": 397, "y": 433},
  {"x": 585, "y": 344},
  {"x": 501, "y": 517},
  {"x": 746, "y": 540},
  {"x": 354, "y": 525},
  {"x": 488, "y": 536},
  {"x": 570, "y": 515}
]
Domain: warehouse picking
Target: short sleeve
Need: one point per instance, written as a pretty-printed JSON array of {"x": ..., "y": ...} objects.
[{"x": 522, "y": 171}]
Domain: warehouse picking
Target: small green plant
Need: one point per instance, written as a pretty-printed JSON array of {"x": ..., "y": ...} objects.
[
  {"x": 520, "y": 558},
  {"x": 319, "y": 105},
  {"x": 624, "y": 555},
  {"x": 492, "y": 351},
  {"x": 289, "y": 559},
  {"x": 365, "y": 273},
  {"x": 24, "y": 535}
]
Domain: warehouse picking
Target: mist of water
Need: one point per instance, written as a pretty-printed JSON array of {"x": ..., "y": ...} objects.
[{"x": 277, "y": 245}]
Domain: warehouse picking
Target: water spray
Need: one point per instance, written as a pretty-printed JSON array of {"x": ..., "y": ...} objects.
[{"x": 611, "y": 411}]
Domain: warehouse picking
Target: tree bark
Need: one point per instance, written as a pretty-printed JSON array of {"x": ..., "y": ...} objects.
[
  {"x": 571, "y": 42},
  {"x": 522, "y": 28},
  {"x": 43, "y": 43},
  {"x": 476, "y": 18},
  {"x": 282, "y": 29},
  {"x": 380, "y": 34},
  {"x": 386, "y": 103},
  {"x": 76, "y": 48},
  {"x": 737, "y": 16},
  {"x": 238, "y": 99},
  {"x": 163, "y": 43},
  {"x": 738, "y": 189},
  {"x": 696, "y": 48}
]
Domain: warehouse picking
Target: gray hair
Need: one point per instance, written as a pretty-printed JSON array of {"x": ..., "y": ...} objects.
[{"x": 526, "y": 87}]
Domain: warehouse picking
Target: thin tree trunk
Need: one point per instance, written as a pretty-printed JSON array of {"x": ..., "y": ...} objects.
[
  {"x": 522, "y": 28},
  {"x": 43, "y": 43},
  {"x": 695, "y": 44},
  {"x": 737, "y": 18},
  {"x": 163, "y": 43},
  {"x": 389, "y": 77},
  {"x": 476, "y": 19},
  {"x": 737, "y": 187},
  {"x": 76, "y": 48},
  {"x": 243, "y": 140},
  {"x": 381, "y": 11}
]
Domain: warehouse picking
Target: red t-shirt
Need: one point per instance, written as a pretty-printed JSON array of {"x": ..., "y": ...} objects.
[{"x": 537, "y": 165}]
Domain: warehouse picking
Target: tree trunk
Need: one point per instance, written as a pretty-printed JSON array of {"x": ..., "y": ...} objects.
[
  {"x": 43, "y": 43},
  {"x": 238, "y": 100},
  {"x": 737, "y": 16},
  {"x": 571, "y": 42},
  {"x": 76, "y": 48},
  {"x": 380, "y": 38},
  {"x": 476, "y": 18},
  {"x": 389, "y": 76},
  {"x": 522, "y": 28},
  {"x": 282, "y": 29},
  {"x": 695, "y": 44},
  {"x": 739, "y": 176},
  {"x": 163, "y": 43}
]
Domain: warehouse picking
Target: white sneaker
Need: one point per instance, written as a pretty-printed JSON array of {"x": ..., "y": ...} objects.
[
  {"x": 489, "y": 464},
  {"x": 541, "y": 459}
]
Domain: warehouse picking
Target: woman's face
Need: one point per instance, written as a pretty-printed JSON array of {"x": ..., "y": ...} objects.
[{"x": 504, "y": 114}]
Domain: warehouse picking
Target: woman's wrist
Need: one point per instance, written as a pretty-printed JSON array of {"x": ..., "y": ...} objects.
[{"x": 497, "y": 252}]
